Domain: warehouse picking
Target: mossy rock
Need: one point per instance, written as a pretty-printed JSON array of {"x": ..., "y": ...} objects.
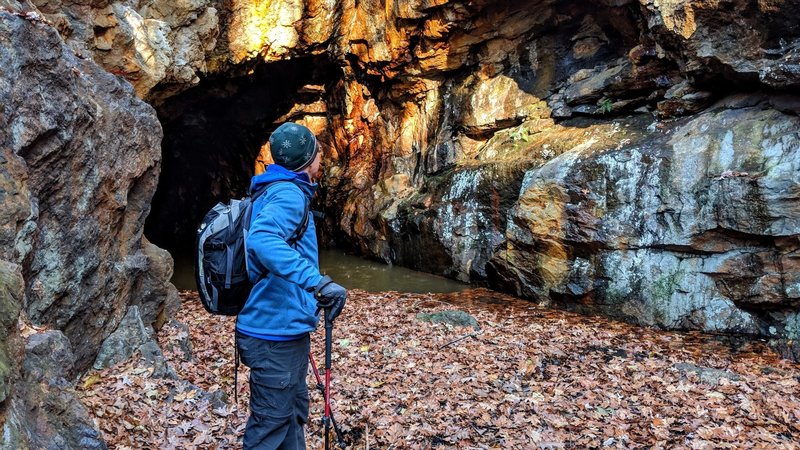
[
  {"x": 454, "y": 318},
  {"x": 5, "y": 369},
  {"x": 11, "y": 287}
]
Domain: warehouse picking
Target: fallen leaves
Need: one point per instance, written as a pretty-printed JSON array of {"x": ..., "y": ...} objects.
[{"x": 531, "y": 378}]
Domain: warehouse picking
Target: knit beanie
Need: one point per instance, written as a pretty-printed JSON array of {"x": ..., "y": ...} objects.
[{"x": 293, "y": 146}]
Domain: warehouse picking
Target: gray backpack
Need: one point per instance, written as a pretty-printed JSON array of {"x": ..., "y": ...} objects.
[{"x": 220, "y": 263}]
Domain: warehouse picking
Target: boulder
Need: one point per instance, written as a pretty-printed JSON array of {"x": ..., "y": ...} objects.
[
  {"x": 129, "y": 336},
  {"x": 708, "y": 375},
  {"x": 692, "y": 228},
  {"x": 451, "y": 318},
  {"x": 79, "y": 162},
  {"x": 133, "y": 336},
  {"x": 45, "y": 413},
  {"x": 87, "y": 151}
]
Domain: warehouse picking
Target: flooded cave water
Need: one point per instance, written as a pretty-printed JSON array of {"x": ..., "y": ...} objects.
[
  {"x": 351, "y": 272},
  {"x": 212, "y": 135}
]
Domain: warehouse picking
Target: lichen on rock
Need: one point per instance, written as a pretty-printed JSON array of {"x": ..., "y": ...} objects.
[
  {"x": 78, "y": 168},
  {"x": 680, "y": 230}
]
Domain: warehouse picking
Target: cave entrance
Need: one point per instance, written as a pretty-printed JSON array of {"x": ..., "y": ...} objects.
[{"x": 212, "y": 136}]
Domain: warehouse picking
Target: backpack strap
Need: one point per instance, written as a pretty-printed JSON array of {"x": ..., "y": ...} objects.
[
  {"x": 300, "y": 231},
  {"x": 258, "y": 192}
]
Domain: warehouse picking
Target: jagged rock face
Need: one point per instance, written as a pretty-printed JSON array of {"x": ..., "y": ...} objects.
[
  {"x": 45, "y": 413},
  {"x": 457, "y": 141},
  {"x": 90, "y": 151},
  {"x": 755, "y": 40},
  {"x": 165, "y": 47},
  {"x": 469, "y": 81},
  {"x": 78, "y": 168},
  {"x": 452, "y": 117},
  {"x": 149, "y": 43},
  {"x": 12, "y": 287},
  {"x": 443, "y": 107},
  {"x": 695, "y": 226}
]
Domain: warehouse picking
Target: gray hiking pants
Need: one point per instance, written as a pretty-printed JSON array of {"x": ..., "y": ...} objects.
[{"x": 278, "y": 392}]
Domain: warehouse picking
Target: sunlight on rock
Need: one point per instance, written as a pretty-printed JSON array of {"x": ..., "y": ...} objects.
[
  {"x": 678, "y": 16},
  {"x": 499, "y": 99},
  {"x": 264, "y": 27},
  {"x": 152, "y": 50}
]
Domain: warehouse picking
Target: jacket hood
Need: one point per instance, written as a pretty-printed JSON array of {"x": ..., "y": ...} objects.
[{"x": 275, "y": 173}]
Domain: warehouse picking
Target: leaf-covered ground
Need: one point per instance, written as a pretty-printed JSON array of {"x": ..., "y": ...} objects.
[{"x": 528, "y": 378}]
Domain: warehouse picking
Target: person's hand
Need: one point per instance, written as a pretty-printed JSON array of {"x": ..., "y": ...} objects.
[{"x": 331, "y": 297}]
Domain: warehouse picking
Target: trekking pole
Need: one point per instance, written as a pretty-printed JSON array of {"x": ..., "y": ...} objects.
[
  {"x": 328, "y": 351},
  {"x": 321, "y": 388}
]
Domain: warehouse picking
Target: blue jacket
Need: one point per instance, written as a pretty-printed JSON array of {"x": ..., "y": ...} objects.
[{"x": 280, "y": 306}]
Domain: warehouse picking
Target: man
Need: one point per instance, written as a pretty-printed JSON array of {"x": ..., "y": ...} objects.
[{"x": 272, "y": 330}]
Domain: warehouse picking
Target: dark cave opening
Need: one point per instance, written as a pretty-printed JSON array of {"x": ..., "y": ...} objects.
[{"x": 212, "y": 136}]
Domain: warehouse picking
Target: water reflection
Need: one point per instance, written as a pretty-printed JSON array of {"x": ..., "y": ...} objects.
[
  {"x": 351, "y": 272},
  {"x": 183, "y": 276}
]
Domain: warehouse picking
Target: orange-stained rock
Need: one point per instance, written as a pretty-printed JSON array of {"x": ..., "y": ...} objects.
[{"x": 487, "y": 141}]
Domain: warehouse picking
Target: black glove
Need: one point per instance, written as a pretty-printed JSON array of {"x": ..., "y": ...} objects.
[{"x": 330, "y": 296}]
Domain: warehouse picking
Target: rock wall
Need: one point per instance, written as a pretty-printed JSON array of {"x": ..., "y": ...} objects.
[
  {"x": 445, "y": 111},
  {"x": 588, "y": 155},
  {"x": 694, "y": 226},
  {"x": 79, "y": 158},
  {"x": 148, "y": 43}
]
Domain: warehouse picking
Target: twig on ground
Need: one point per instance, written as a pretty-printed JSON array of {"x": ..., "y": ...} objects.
[{"x": 458, "y": 340}]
